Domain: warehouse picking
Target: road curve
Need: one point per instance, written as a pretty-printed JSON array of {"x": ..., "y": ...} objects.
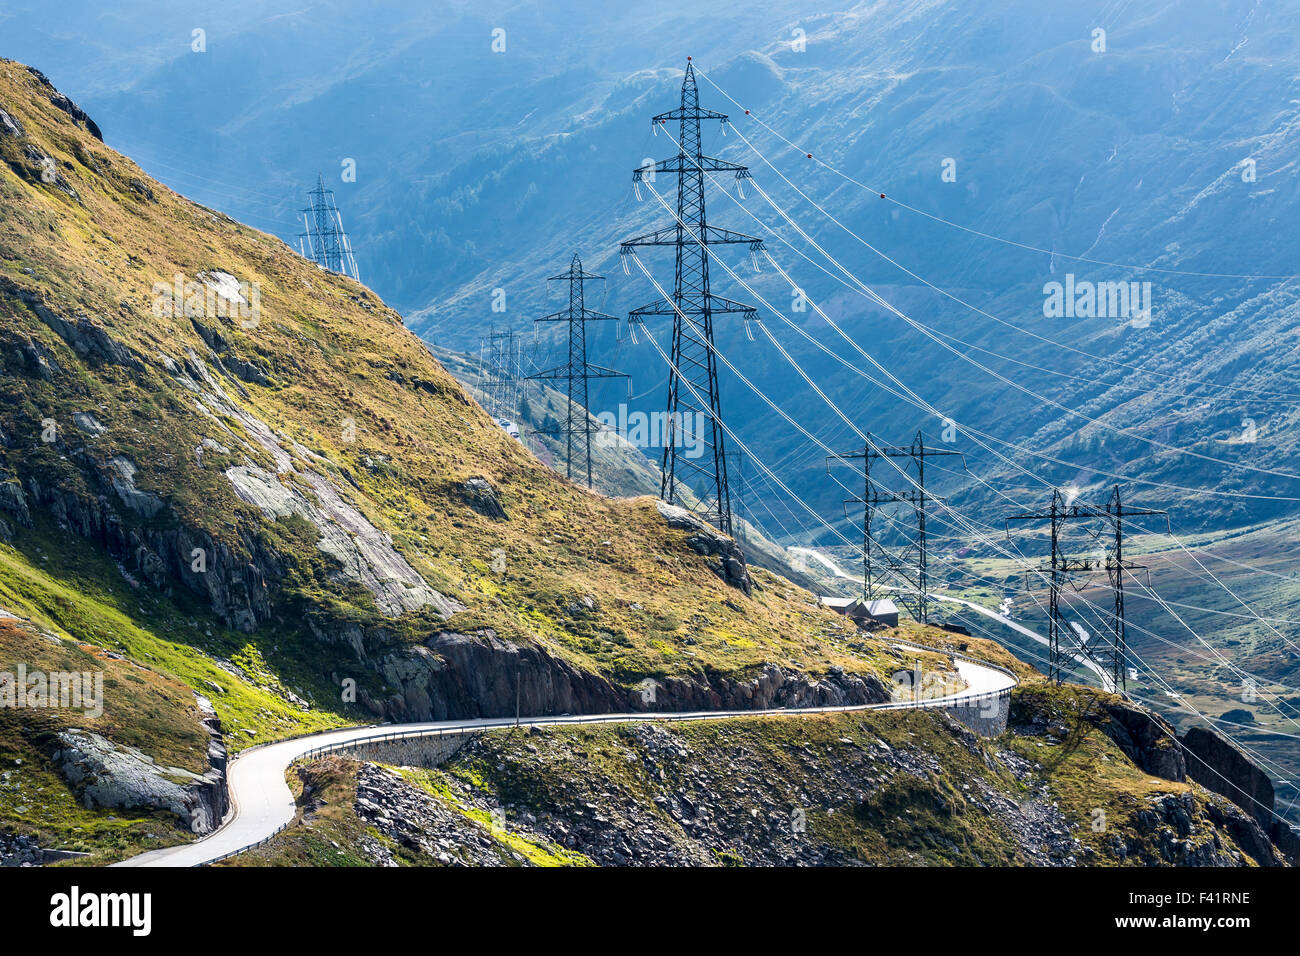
[
  {"x": 1107, "y": 682},
  {"x": 262, "y": 804}
]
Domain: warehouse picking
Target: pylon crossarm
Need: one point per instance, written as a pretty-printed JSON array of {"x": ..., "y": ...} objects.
[
  {"x": 560, "y": 371},
  {"x": 690, "y": 113},
  {"x": 566, "y": 315},
  {"x": 597, "y": 371},
  {"x": 689, "y": 164},
  {"x": 658, "y": 307},
  {"x": 719, "y": 303},
  {"x": 660, "y": 237}
]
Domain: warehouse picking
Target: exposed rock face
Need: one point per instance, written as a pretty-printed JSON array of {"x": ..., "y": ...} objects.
[
  {"x": 1146, "y": 739},
  {"x": 482, "y": 497},
  {"x": 235, "y": 586},
  {"x": 122, "y": 477},
  {"x": 109, "y": 775},
  {"x": 62, "y": 102},
  {"x": 365, "y": 555},
  {"x": 709, "y": 542},
  {"x": 482, "y": 675},
  {"x": 9, "y": 125},
  {"x": 245, "y": 369},
  {"x": 84, "y": 337},
  {"x": 14, "y": 502},
  {"x": 1219, "y": 766}
]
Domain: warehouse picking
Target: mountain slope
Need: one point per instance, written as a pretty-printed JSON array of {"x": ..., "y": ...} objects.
[
  {"x": 241, "y": 484},
  {"x": 1131, "y": 153},
  {"x": 312, "y": 448}
]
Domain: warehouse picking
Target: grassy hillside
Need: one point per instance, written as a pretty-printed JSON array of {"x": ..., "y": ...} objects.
[
  {"x": 265, "y": 506},
  {"x": 348, "y": 395}
]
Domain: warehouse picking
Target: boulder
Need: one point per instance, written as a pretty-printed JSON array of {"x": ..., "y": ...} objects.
[
  {"x": 482, "y": 497},
  {"x": 115, "y": 776},
  {"x": 709, "y": 542}
]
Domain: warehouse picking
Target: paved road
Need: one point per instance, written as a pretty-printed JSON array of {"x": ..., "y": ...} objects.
[
  {"x": 1106, "y": 682},
  {"x": 262, "y": 804}
]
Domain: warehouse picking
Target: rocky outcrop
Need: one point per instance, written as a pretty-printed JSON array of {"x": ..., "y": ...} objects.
[
  {"x": 1173, "y": 832},
  {"x": 234, "y": 577},
  {"x": 1219, "y": 766},
  {"x": 89, "y": 340},
  {"x": 482, "y": 498},
  {"x": 709, "y": 542},
  {"x": 113, "y": 776},
  {"x": 13, "y": 501},
  {"x": 365, "y": 555},
  {"x": 9, "y": 125},
  {"x": 1146, "y": 739},
  {"x": 245, "y": 369},
  {"x": 482, "y": 675},
  {"x": 62, "y": 102}
]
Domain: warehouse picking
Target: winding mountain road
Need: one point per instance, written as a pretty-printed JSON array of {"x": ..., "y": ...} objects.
[
  {"x": 1107, "y": 682},
  {"x": 262, "y": 804}
]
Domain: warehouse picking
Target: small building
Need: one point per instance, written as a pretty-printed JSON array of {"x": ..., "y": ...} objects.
[{"x": 881, "y": 612}]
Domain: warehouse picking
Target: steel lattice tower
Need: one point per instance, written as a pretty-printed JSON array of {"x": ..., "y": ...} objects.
[
  {"x": 577, "y": 371},
  {"x": 325, "y": 242},
  {"x": 1108, "y": 656},
  {"x": 915, "y": 572},
  {"x": 501, "y": 373},
  {"x": 693, "y": 378}
]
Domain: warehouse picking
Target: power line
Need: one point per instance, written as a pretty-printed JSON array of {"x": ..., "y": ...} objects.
[
  {"x": 985, "y": 235},
  {"x": 692, "y": 344},
  {"x": 325, "y": 242},
  {"x": 577, "y": 372}
]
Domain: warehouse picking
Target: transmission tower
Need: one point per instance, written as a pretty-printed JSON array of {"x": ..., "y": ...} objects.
[
  {"x": 912, "y": 562},
  {"x": 1116, "y": 655},
  {"x": 1108, "y": 657},
  {"x": 693, "y": 376},
  {"x": 577, "y": 371},
  {"x": 325, "y": 242},
  {"x": 501, "y": 373}
]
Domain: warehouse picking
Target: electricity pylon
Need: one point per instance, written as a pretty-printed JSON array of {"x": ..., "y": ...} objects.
[
  {"x": 693, "y": 377},
  {"x": 1108, "y": 657},
  {"x": 501, "y": 372},
  {"x": 577, "y": 371},
  {"x": 1115, "y": 654},
  {"x": 325, "y": 242},
  {"x": 915, "y": 572}
]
